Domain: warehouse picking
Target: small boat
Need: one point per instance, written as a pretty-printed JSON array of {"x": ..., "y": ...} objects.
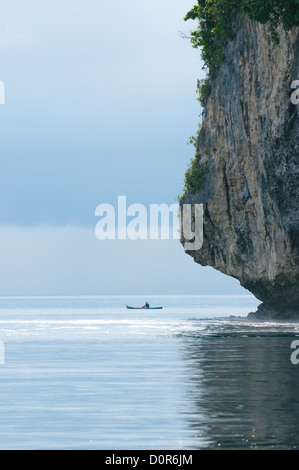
[{"x": 142, "y": 308}]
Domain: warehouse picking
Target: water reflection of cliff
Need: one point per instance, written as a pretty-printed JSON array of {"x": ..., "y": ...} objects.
[{"x": 242, "y": 392}]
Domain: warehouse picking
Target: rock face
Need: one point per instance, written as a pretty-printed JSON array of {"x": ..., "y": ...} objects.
[{"x": 250, "y": 142}]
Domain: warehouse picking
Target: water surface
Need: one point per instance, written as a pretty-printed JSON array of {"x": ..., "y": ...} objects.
[{"x": 86, "y": 373}]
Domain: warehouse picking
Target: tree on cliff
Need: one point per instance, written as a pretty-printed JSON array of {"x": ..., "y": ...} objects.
[{"x": 215, "y": 28}]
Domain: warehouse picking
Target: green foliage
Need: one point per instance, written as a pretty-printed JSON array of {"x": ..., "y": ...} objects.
[
  {"x": 203, "y": 90},
  {"x": 193, "y": 139},
  {"x": 275, "y": 12},
  {"x": 214, "y": 30},
  {"x": 195, "y": 176},
  {"x": 196, "y": 172}
]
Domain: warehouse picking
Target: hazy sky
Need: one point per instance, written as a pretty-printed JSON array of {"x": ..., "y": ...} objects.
[{"x": 99, "y": 102}]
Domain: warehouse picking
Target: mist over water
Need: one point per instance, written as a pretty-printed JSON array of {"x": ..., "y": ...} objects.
[{"x": 86, "y": 373}]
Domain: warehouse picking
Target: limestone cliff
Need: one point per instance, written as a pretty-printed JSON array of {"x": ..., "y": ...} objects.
[{"x": 250, "y": 142}]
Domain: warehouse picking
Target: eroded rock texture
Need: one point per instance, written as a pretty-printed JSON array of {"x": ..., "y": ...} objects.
[{"x": 250, "y": 142}]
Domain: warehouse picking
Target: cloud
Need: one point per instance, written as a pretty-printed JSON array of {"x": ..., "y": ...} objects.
[
  {"x": 72, "y": 261},
  {"x": 11, "y": 37},
  {"x": 100, "y": 100}
]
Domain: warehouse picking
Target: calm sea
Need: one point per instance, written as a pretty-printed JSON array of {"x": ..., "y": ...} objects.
[{"x": 86, "y": 373}]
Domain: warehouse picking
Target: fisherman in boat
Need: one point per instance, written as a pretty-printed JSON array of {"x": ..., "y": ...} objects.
[{"x": 146, "y": 305}]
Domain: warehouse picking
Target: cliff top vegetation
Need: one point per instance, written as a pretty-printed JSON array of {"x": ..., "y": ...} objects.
[{"x": 215, "y": 28}]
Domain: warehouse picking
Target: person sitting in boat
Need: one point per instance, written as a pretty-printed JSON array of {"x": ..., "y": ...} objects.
[{"x": 146, "y": 305}]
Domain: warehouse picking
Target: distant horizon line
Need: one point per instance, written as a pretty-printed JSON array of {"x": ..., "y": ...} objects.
[{"x": 65, "y": 296}]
